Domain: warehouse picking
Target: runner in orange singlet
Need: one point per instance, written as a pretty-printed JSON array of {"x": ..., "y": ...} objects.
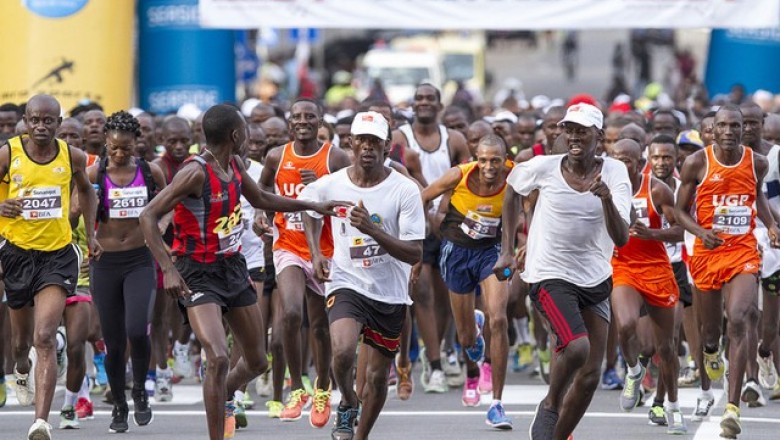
[
  {"x": 725, "y": 179},
  {"x": 642, "y": 275},
  {"x": 288, "y": 169}
]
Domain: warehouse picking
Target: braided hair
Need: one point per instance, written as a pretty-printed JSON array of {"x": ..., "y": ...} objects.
[{"x": 123, "y": 121}]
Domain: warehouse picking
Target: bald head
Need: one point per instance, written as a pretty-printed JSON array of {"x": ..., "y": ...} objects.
[
  {"x": 477, "y": 130},
  {"x": 634, "y": 132},
  {"x": 276, "y": 131},
  {"x": 43, "y": 103},
  {"x": 771, "y": 131},
  {"x": 628, "y": 147},
  {"x": 42, "y": 118},
  {"x": 261, "y": 113}
]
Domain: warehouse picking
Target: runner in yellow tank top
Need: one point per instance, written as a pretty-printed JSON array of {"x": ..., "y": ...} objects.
[
  {"x": 39, "y": 263},
  {"x": 471, "y": 232}
]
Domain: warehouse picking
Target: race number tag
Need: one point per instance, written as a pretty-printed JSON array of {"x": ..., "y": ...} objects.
[
  {"x": 42, "y": 203},
  {"x": 479, "y": 227},
  {"x": 365, "y": 252},
  {"x": 230, "y": 241},
  {"x": 294, "y": 221},
  {"x": 732, "y": 220},
  {"x": 127, "y": 202},
  {"x": 642, "y": 215}
]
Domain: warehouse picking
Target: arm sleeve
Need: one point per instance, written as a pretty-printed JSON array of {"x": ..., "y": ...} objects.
[
  {"x": 523, "y": 177},
  {"x": 411, "y": 219}
]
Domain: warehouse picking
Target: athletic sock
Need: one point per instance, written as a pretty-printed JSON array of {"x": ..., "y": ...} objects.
[
  {"x": 496, "y": 402},
  {"x": 238, "y": 396},
  {"x": 84, "y": 390},
  {"x": 658, "y": 402},
  {"x": 472, "y": 373},
  {"x": 70, "y": 398},
  {"x": 635, "y": 370},
  {"x": 763, "y": 353},
  {"x": 673, "y": 406},
  {"x": 436, "y": 365},
  {"x": 707, "y": 394},
  {"x": 523, "y": 335}
]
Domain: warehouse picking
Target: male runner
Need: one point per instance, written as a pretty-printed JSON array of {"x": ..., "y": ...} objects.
[
  {"x": 470, "y": 247},
  {"x": 439, "y": 149},
  {"x": 210, "y": 278},
  {"x": 583, "y": 213},
  {"x": 94, "y": 136},
  {"x": 10, "y": 115},
  {"x": 725, "y": 181},
  {"x": 40, "y": 265},
  {"x": 288, "y": 169},
  {"x": 551, "y": 131},
  {"x": 642, "y": 275},
  {"x": 375, "y": 244}
]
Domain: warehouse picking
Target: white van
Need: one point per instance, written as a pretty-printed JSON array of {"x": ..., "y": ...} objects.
[{"x": 401, "y": 72}]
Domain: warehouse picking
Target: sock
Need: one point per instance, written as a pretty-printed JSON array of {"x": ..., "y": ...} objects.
[
  {"x": 178, "y": 346},
  {"x": 707, "y": 393},
  {"x": 763, "y": 353},
  {"x": 658, "y": 402},
  {"x": 84, "y": 390},
  {"x": 164, "y": 372},
  {"x": 644, "y": 360},
  {"x": 436, "y": 365},
  {"x": 523, "y": 334},
  {"x": 673, "y": 406},
  {"x": 70, "y": 398},
  {"x": 710, "y": 349},
  {"x": 635, "y": 370},
  {"x": 238, "y": 396},
  {"x": 472, "y": 373},
  {"x": 496, "y": 402}
]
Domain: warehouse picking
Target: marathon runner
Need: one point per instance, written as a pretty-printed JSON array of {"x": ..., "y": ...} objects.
[
  {"x": 210, "y": 276},
  {"x": 375, "y": 244},
  {"x": 40, "y": 265},
  {"x": 583, "y": 212},
  {"x": 724, "y": 181},
  {"x": 471, "y": 232}
]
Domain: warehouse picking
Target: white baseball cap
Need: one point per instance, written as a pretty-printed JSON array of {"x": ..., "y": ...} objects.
[
  {"x": 584, "y": 114},
  {"x": 505, "y": 115},
  {"x": 372, "y": 123}
]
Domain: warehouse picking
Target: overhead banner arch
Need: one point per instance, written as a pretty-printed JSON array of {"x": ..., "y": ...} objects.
[{"x": 489, "y": 14}]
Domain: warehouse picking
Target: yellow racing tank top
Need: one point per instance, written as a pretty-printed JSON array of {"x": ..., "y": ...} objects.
[
  {"x": 472, "y": 220},
  {"x": 44, "y": 190}
]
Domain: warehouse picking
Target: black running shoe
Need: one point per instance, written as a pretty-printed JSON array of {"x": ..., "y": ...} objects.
[
  {"x": 345, "y": 424},
  {"x": 543, "y": 424},
  {"x": 119, "y": 419},
  {"x": 142, "y": 412}
]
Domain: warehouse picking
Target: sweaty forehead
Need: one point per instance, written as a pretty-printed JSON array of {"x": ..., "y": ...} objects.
[{"x": 728, "y": 116}]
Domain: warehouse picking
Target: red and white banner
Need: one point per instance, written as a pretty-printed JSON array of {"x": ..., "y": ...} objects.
[{"x": 489, "y": 14}]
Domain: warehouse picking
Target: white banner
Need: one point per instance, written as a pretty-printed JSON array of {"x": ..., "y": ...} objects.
[{"x": 489, "y": 14}]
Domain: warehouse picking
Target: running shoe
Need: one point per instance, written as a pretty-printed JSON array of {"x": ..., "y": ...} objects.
[
  {"x": 657, "y": 415},
  {"x": 610, "y": 380},
  {"x": 524, "y": 356},
  {"x": 68, "y": 419},
  {"x": 689, "y": 377},
  {"x": 40, "y": 430},
  {"x": 767, "y": 374},
  {"x": 230, "y": 420},
  {"x": 3, "y": 393},
  {"x": 629, "y": 398},
  {"x": 497, "y": 418},
  {"x": 163, "y": 388},
  {"x": 320, "y": 408},
  {"x": 713, "y": 365},
  {"x": 345, "y": 424},
  {"x": 239, "y": 413},
  {"x": 648, "y": 382},
  {"x": 246, "y": 401},
  {"x": 775, "y": 392},
  {"x": 437, "y": 383},
  {"x": 101, "y": 378},
  {"x": 299, "y": 400},
  {"x": 142, "y": 411},
  {"x": 752, "y": 395},
  {"x": 425, "y": 375},
  {"x": 704, "y": 405},
  {"x": 675, "y": 422},
  {"x": 470, "y": 395},
  {"x": 274, "y": 409},
  {"x": 451, "y": 366},
  {"x": 182, "y": 364},
  {"x": 263, "y": 386},
  {"x": 477, "y": 351},
  {"x": 730, "y": 427},
  {"x": 25, "y": 388},
  {"x": 485, "y": 378},
  {"x": 119, "y": 419},
  {"x": 544, "y": 364},
  {"x": 405, "y": 386},
  {"x": 62, "y": 353},
  {"x": 543, "y": 424},
  {"x": 84, "y": 409}
]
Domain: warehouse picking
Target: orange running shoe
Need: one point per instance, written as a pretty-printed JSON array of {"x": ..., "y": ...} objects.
[
  {"x": 230, "y": 419},
  {"x": 320, "y": 408},
  {"x": 298, "y": 401}
]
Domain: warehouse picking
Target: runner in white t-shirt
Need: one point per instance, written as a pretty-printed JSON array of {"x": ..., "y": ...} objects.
[
  {"x": 366, "y": 283},
  {"x": 583, "y": 212}
]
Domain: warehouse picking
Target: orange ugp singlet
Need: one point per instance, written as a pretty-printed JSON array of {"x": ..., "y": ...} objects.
[
  {"x": 726, "y": 203},
  {"x": 644, "y": 264},
  {"x": 288, "y": 226}
]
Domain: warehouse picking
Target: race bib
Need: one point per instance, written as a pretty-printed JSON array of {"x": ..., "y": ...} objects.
[
  {"x": 732, "y": 220},
  {"x": 230, "y": 241},
  {"x": 479, "y": 227},
  {"x": 294, "y": 221},
  {"x": 365, "y": 252},
  {"x": 41, "y": 203},
  {"x": 127, "y": 202},
  {"x": 642, "y": 215}
]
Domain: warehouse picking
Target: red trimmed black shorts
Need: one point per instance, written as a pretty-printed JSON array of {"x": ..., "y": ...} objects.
[{"x": 382, "y": 322}]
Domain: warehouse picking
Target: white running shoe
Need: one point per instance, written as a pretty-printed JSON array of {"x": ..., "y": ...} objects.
[
  {"x": 767, "y": 374},
  {"x": 437, "y": 383},
  {"x": 40, "y": 430},
  {"x": 163, "y": 387},
  {"x": 182, "y": 364},
  {"x": 25, "y": 388}
]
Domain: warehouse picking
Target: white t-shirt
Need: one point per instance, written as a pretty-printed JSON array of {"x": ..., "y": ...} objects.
[
  {"x": 568, "y": 238},
  {"x": 251, "y": 244},
  {"x": 358, "y": 263}
]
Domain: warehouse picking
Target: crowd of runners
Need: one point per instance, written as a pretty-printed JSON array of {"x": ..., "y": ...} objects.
[{"x": 251, "y": 249}]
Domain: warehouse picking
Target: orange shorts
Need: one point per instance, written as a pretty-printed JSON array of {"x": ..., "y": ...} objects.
[
  {"x": 711, "y": 271},
  {"x": 657, "y": 285}
]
